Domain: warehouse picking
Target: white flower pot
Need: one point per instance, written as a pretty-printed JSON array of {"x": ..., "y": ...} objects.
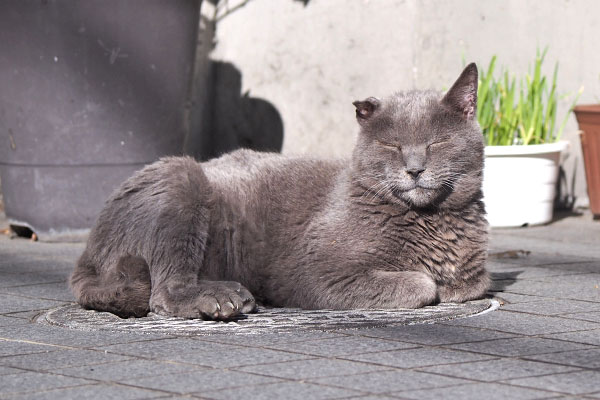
[{"x": 519, "y": 183}]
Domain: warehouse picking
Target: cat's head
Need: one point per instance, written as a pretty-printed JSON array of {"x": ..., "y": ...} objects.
[{"x": 421, "y": 148}]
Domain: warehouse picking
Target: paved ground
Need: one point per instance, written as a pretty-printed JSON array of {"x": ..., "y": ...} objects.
[{"x": 544, "y": 342}]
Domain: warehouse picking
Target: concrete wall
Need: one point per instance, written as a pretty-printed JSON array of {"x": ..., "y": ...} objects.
[{"x": 311, "y": 59}]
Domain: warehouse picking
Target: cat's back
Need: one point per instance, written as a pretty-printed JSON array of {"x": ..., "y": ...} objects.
[
  {"x": 279, "y": 193},
  {"x": 261, "y": 173}
]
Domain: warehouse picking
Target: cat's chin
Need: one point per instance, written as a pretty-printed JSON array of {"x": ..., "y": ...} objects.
[{"x": 418, "y": 197}]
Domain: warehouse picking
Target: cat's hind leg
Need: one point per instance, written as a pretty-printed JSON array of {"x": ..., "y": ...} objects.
[{"x": 122, "y": 288}]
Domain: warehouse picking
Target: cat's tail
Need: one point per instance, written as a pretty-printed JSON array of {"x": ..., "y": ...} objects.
[{"x": 122, "y": 289}]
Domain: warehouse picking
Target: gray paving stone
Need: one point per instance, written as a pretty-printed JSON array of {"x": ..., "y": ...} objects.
[
  {"x": 421, "y": 357},
  {"x": 29, "y": 263},
  {"x": 574, "y": 397},
  {"x": 375, "y": 397},
  {"x": 432, "y": 334},
  {"x": 58, "y": 291},
  {"x": 514, "y": 298},
  {"x": 342, "y": 346},
  {"x": 8, "y": 280},
  {"x": 43, "y": 362},
  {"x": 12, "y": 303},
  {"x": 477, "y": 391},
  {"x": 283, "y": 390},
  {"x": 498, "y": 369},
  {"x": 390, "y": 381},
  {"x": 11, "y": 348},
  {"x": 525, "y": 324},
  {"x": 72, "y": 338},
  {"x": 588, "y": 337},
  {"x": 200, "y": 381},
  {"x": 584, "y": 316},
  {"x": 9, "y": 320},
  {"x": 34, "y": 381},
  {"x": 580, "y": 382},
  {"x": 313, "y": 368},
  {"x": 589, "y": 358},
  {"x": 548, "y": 250},
  {"x": 524, "y": 272},
  {"x": 539, "y": 257},
  {"x": 265, "y": 339},
  {"x": 558, "y": 289},
  {"x": 9, "y": 371},
  {"x": 203, "y": 353},
  {"x": 126, "y": 370},
  {"x": 554, "y": 307},
  {"x": 591, "y": 280},
  {"x": 522, "y": 346},
  {"x": 99, "y": 391},
  {"x": 28, "y": 316}
]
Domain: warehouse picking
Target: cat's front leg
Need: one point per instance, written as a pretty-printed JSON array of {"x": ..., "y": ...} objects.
[
  {"x": 459, "y": 292},
  {"x": 379, "y": 289}
]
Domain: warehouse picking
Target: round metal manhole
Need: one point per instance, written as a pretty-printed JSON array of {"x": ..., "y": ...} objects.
[{"x": 265, "y": 320}]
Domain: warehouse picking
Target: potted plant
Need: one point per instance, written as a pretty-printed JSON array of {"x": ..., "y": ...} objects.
[
  {"x": 523, "y": 146},
  {"x": 588, "y": 118}
]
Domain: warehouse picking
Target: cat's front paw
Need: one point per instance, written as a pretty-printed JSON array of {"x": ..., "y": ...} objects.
[{"x": 217, "y": 300}]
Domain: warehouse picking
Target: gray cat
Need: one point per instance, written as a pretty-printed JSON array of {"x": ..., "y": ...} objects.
[{"x": 400, "y": 224}]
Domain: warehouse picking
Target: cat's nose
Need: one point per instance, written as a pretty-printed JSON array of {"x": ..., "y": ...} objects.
[{"x": 415, "y": 171}]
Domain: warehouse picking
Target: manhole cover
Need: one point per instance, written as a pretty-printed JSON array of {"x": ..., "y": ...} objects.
[{"x": 265, "y": 320}]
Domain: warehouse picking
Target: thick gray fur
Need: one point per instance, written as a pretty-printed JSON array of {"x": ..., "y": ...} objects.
[{"x": 399, "y": 224}]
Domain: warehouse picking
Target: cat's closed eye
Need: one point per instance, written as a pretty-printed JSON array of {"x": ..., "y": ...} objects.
[
  {"x": 389, "y": 145},
  {"x": 438, "y": 144}
]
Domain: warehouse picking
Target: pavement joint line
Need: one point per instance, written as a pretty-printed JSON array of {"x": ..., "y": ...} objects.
[
  {"x": 476, "y": 382},
  {"x": 359, "y": 393},
  {"x": 501, "y": 380},
  {"x": 283, "y": 380},
  {"x": 580, "y": 395},
  {"x": 516, "y": 335},
  {"x": 115, "y": 383},
  {"x": 214, "y": 339},
  {"x": 387, "y": 369},
  {"x": 161, "y": 359},
  {"x": 38, "y": 343},
  {"x": 581, "y": 367},
  {"x": 10, "y": 315},
  {"x": 536, "y": 334},
  {"x": 2, "y": 288},
  {"x": 64, "y": 302},
  {"x": 388, "y": 393},
  {"x": 498, "y": 295},
  {"x": 65, "y": 347},
  {"x": 96, "y": 383},
  {"x": 495, "y": 357},
  {"x": 544, "y": 315},
  {"x": 12, "y": 394}
]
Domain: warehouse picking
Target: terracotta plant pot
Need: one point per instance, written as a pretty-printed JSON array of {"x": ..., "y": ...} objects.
[{"x": 588, "y": 117}]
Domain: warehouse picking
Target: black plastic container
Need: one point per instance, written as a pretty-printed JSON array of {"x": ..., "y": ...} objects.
[{"x": 90, "y": 91}]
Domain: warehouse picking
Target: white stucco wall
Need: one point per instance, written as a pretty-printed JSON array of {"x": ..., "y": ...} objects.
[{"x": 312, "y": 61}]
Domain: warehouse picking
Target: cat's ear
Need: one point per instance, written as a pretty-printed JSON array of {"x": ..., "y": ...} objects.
[
  {"x": 462, "y": 96},
  {"x": 366, "y": 108}
]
